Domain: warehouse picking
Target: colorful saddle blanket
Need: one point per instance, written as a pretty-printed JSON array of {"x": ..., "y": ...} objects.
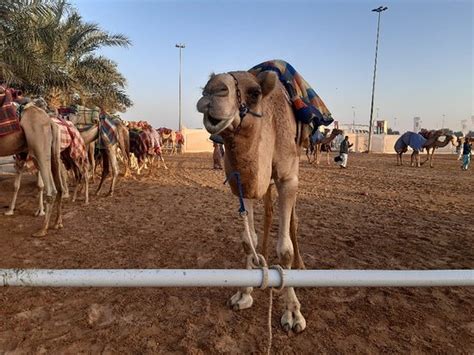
[
  {"x": 410, "y": 139},
  {"x": 317, "y": 137},
  {"x": 307, "y": 105},
  {"x": 9, "y": 121},
  {"x": 72, "y": 143},
  {"x": 108, "y": 131}
]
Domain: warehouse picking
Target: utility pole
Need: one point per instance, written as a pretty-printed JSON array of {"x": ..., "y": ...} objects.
[
  {"x": 180, "y": 46},
  {"x": 379, "y": 10}
]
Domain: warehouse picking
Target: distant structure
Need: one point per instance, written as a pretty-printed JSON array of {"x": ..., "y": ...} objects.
[
  {"x": 416, "y": 124},
  {"x": 381, "y": 127},
  {"x": 464, "y": 127}
]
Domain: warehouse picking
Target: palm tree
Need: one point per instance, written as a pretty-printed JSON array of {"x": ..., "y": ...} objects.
[{"x": 49, "y": 50}]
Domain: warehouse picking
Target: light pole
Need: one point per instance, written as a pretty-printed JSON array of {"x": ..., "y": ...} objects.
[
  {"x": 442, "y": 124},
  {"x": 180, "y": 46},
  {"x": 379, "y": 10},
  {"x": 353, "y": 118}
]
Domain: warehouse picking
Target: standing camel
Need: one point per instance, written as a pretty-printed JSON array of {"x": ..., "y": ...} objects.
[
  {"x": 91, "y": 137},
  {"x": 325, "y": 141},
  {"x": 448, "y": 138},
  {"x": 416, "y": 142},
  {"x": 39, "y": 138},
  {"x": 168, "y": 138},
  {"x": 258, "y": 126}
]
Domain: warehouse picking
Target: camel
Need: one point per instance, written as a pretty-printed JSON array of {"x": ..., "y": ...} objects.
[
  {"x": 316, "y": 147},
  {"x": 40, "y": 139},
  {"x": 73, "y": 157},
  {"x": 448, "y": 138},
  {"x": 168, "y": 138},
  {"x": 109, "y": 152},
  {"x": 257, "y": 123},
  {"x": 417, "y": 142},
  {"x": 144, "y": 145}
]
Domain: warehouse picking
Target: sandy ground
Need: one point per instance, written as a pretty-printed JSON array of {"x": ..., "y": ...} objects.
[{"x": 374, "y": 215}]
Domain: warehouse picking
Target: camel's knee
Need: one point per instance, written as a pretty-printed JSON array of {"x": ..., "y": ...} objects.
[{"x": 286, "y": 253}]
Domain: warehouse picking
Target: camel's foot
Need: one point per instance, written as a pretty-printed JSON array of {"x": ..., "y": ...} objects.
[
  {"x": 9, "y": 213},
  {"x": 39, "y": 212},
  {"x": 40, "y": 233},
  {"x": 298, "y": 263},
  {"x": 110, "y": 194},
  {"x": 240, "y": 301},
  {"x": 66, "y": 195},
  {"x": 58, "y": 225},
  {"x": 293, "y": 321}
]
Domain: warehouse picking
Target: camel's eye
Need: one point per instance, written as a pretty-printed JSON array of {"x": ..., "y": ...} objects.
[
  {"x": 253, "y": 94},
  {"x": 220, "y": 91}
]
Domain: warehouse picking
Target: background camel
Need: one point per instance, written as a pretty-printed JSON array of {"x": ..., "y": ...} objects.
[
  {"x": 415, "y": 141},
  {"x": 259, "y": 148},
  {"x": 36, "y": 139},
  {"x": 315, "y": 148},
  {"x": 448, "y": 138},
  {"x": 168, "y": 138},
  {"x": 108, "y": 150}
]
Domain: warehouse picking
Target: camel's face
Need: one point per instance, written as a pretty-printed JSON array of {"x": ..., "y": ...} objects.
[
  {"x": 220, "y": 103},
  {"x": 336, "y": 132}
]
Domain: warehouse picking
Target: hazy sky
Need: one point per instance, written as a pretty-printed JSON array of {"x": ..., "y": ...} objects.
[{"x": 425, "y": 63}]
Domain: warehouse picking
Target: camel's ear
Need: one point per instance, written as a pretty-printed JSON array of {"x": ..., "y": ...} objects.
[{"x": 267, "y": 81}]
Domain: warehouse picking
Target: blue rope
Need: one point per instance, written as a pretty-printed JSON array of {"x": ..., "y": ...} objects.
[{"x": 242, "y": 209}]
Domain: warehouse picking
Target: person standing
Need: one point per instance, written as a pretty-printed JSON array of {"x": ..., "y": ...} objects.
[
  {"x": 466, "y": 153},
  {"x": 344, "y": 151},
  {"x": 218, "y": 155}
]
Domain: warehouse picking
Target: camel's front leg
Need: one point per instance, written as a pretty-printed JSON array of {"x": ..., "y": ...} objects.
[
  {"x": 327, "y": 156},
  {"x": 40, "y": 183},
  {"x": 115, "y": 169},
  {"x": 292, "y": 318},
  {"x": 243, "y": 299},
  {"x": 164, "y": 164},
  {"x": 431, "y": 157},
  {"x": 318, "y": 153},
  {"x": 16, "y": 188}
]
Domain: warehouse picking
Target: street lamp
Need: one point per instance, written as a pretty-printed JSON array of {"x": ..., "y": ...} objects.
[
  {"x": 379, "y": 10},
  {"x": 180, "y": 46},
  {"x": 353, "y": 118}
]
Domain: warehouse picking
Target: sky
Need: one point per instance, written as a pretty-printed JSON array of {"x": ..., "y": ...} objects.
[{"x": 425, "y": 58}]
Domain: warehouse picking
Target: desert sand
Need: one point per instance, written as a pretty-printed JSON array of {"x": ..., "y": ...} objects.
[{"x": 373, "y": 215}]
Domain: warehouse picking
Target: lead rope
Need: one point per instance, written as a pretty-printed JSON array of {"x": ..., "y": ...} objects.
[{"x": 257, "y": 261}]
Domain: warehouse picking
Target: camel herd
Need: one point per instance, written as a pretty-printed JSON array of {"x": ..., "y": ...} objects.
[{"x": 61, "y": 149}]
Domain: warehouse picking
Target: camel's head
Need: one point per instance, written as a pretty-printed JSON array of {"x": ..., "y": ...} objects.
[
  {"x": 336, "y": 132},
  {"x": 228, "y": 98},
  {"x": 453, "y": 139}
]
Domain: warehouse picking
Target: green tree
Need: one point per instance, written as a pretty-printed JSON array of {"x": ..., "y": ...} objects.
[{"x": 47, "y": 49}]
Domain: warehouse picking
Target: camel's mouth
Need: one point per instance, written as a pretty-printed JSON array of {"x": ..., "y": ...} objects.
[{"x": 215, "y": 125}]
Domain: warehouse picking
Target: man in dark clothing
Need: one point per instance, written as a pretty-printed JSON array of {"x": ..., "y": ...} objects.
[
  {"x": 466, "y": 154},
  {"x": 344, "y": 151}
]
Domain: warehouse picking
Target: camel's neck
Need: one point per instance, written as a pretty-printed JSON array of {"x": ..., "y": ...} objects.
[
  {"x": 261, "y": 145},
  {"x": 91, "y": 134},
  {"x": 444, "y": 143},
  {"x": 329, "y": 139}
]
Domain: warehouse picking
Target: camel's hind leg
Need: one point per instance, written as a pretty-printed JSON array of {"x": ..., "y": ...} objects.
[
  {"x": 105, "y": 169},
  {"x": 243, "y": 299},
  {"x": 297, "y": 260},
  {"x": 40, "y": 184},
  {"x": 16, "y": 188},
  {"x": 267, "y": 224},
  {"x": 292, "y": 319},
  {"x": 115, "y": 169}
]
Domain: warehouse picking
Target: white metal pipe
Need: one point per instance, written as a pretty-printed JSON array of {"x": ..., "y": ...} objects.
[{"x": 232, "y": 278}]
